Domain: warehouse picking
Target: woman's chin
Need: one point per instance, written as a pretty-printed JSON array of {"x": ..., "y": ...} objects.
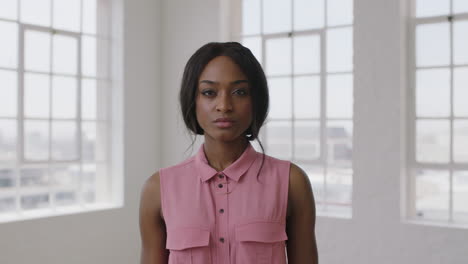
[{"x": 225, "y": 136}]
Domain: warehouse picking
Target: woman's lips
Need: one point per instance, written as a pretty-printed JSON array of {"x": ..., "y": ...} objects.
[{"x": 224, "y": 122}]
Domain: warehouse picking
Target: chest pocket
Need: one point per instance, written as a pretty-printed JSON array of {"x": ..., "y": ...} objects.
[
  {"x": 188, "y": 246},
  {"x": 261, "y": 243}
]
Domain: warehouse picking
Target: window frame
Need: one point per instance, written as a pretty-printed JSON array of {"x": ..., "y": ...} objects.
[
  {"x": 410, "y": 211},
  {"x": 108, "y": 191}
]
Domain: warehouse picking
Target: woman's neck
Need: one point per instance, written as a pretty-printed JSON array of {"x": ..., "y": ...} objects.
[{"x": 222, "y": 154}]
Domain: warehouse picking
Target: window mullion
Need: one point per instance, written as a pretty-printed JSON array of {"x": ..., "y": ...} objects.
[
  {"x": 20, "y": 117},
  {"x": 292, "y": 83},
  {"x": 451, "y": 171},
  {"x": 79, "y": 122},
  {"x": 51, "y": 90},
  {"x": 323, "y": 109}
]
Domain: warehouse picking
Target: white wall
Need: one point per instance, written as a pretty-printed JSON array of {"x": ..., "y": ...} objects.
[
  {"x": 109, "y": 236},
  {"x": 186, "y": 26}
]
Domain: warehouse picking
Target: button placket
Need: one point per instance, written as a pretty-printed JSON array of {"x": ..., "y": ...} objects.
[{"x": 221, "y": 186}]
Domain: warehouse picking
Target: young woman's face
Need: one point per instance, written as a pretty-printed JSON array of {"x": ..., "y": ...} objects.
[{"x": 223, "y": 101}]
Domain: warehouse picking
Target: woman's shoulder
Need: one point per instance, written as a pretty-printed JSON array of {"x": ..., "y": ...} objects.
[{"x": 300, "y": 194}]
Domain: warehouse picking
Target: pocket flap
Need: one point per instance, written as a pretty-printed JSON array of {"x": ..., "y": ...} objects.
[
  {"x": 265, "y": 232},
  {"x": 183, "y": 238}
]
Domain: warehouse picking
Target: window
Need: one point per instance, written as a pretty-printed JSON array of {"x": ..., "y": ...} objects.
[
  {"x": 55, "y": 101},
  {"x": 438, "y": 183},
  {"x": 306, "y": 49}
]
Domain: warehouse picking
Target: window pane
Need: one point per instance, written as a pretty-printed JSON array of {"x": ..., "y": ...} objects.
[
  {"x": 64, "y": 140},
  {"x": 88, "y": 141},
  {"x": 64, "y": 93},
  {"x": 8, "y": 140},
  {"x": 339, "y": 12},
  {"x": 339, "y": 186},
  {"x": 36, "y": 95},
  {"x": 88, "y": 97},
  {"x": 35, "y": 12},
  {"x": 340, "y": 96},
  {"x": 89, "y": 176},
  {"x": 65, "y": 180},
  {"x": 425, "y": 8},
  {"x": 432, "y": 141},
  {"x": 307, "y": 54},
  {"x": 7, "y": 204},
  {"x": 9, "y": 9},
  {"x": 433, "y": 93},
  {"x": 340, "y": 49},
  {"x": 65, "y": 177},
  {"x": 65, "y": 198},
  {"x": 8, "y": 93},
  {"x": 460, "y": 6},
  {"x": 340, "y": 143},
  {"x": 89, "y": 59},
  {"x": 279, "y": 141},
  {"x": 433, "y": 44},
  {"x": 460, "y": 141},
  {"x": 34, "y": 177},
  {"x": 306, "y": 140},
  {"x": 36, "y": 140},
  {"x": 88, "y": 183},
  {"x": 9, "y": 40},
  {"x": 7, "y": 179},
  {"x": 67, "y": 14},
  {"x": 65, "y": 54},
  {"x": 37, "y": 51},
  {"x": 251, "y": 17},
  {"x": 276, "y": 16},
  {"x": 307, "y": 97},
  {"x": 460, "y": 79},
  {"x": 280, "y": 97},
  {"x": 460, "y": 42},
  {"x": 432, "y": 195},
  {"x": 89, "y": 16},
  {"x": 308, "y": 14},
  {"x": 255, "y": 46},
  {"x": 460, "y": 196},
  {"x": 35, "y": 201},
  {"x": 278, "y": 56}
]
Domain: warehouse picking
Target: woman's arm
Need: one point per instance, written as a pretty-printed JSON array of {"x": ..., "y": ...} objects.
[
  {"x": 300, "y": 222},
  {"x": 152, "y": 227}
]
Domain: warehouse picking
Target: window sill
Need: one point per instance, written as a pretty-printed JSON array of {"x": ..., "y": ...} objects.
[
  {"x": 48, "y": 212},
  {"x": 441, "y": 224}
]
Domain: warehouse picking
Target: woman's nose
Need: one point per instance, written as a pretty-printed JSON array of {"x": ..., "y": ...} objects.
[{"x": 224, "y": 103}]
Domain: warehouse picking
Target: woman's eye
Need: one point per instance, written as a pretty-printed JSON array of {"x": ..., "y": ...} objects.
[
  {"x": 240, "y": 92},
  {"x": 208, "y": 93}
]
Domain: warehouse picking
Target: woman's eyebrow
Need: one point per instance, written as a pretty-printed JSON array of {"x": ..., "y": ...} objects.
[{"x": 233, "y": 82}]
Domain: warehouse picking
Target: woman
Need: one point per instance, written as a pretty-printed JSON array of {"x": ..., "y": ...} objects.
[{"x": 228, "y": 203}]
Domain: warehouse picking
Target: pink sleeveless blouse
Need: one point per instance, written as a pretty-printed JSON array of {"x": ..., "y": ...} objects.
[{"x": 227, "y": 217}]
